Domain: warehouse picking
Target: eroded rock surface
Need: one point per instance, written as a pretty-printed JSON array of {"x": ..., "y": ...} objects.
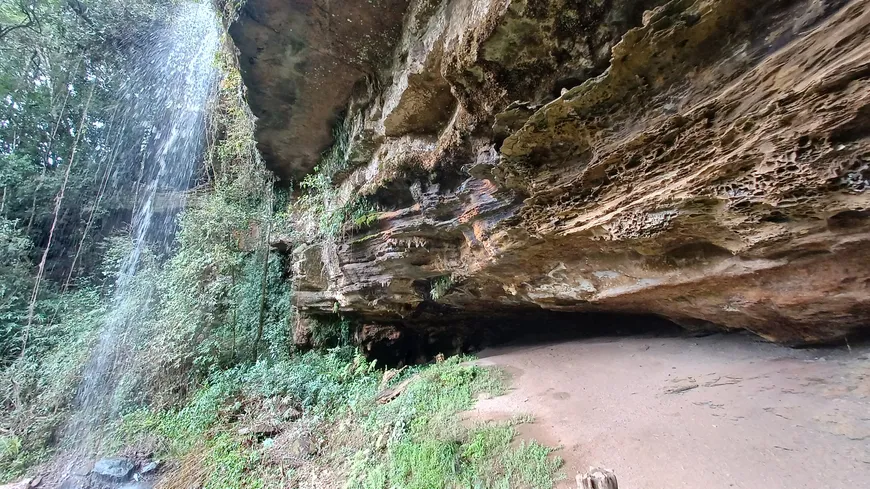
[
  {"x": 301, "y": 60},
  {"x": 707, "y": 161}
]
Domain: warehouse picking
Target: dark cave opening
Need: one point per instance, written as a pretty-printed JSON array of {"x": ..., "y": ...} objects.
[{"x": 418, "y": 342}]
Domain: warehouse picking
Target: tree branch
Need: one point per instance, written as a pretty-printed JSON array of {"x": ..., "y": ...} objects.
[
  {"x": 29, "y": 21},
  {"x": 81, "y": 10}
]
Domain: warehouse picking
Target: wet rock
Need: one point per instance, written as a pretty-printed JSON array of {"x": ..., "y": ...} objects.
[
  {"x": 114, "y": 469},
  {"x": 75, "y": 482},
  {"x": 150, "y": 467},
  {"x": 136, "y": 485}
]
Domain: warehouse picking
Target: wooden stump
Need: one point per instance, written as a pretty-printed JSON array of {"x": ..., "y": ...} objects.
[{"x": 597, "y": 478}]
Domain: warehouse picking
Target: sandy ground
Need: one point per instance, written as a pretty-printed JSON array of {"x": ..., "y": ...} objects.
[{"x": 694, "y": 413}]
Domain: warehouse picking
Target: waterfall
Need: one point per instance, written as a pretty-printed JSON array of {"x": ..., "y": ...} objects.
[{"x": 164, "y": 105}]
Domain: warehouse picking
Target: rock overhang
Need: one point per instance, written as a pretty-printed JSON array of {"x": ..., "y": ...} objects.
[
  {"x": 301, "y": 61},
  {"x": 713, "y": 173}
]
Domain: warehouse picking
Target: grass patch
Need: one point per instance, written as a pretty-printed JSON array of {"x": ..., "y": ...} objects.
[
  {"x": 415, "y": 441},
  {"x": 481, "y": 457},
  {"x": 428, "y": 446}
]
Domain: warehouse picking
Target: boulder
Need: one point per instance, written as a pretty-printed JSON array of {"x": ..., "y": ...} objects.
[
  {"x": 303, "y": 327},
  {"x": 150, "y": 468},
  {"x": 114, "y": 469}
]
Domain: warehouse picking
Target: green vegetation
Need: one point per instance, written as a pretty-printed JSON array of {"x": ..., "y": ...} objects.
[
  {"x": 415, "y": 441},
  {"x": 210, "y": 381},
  {"x": 37, "y": 391},
  {"x": 61, "y": 64},
  {"x": 428, "y": 446},
  {"x": 323, "y": 210},
  {"x": 217, "y": 300},
  {"x": 441, "y": 286}
]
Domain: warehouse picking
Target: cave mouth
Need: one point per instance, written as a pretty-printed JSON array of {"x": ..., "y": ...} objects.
[{"x": 414, "y": 343}]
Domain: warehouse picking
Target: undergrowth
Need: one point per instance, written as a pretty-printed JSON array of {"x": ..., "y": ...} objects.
[
  {"x": 36, "y": 390},
  {"x": 320, "y": 384},
  {"x": 218, "y": 300},
  {"x": 427, "y": 446},
  {"x": 415, "y": 441}
]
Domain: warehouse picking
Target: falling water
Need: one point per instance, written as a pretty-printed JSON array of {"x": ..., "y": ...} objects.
[{"x": 163, "y": 124}]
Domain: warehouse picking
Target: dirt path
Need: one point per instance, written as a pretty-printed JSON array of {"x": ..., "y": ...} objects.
[{"x": 695, "y": 413}]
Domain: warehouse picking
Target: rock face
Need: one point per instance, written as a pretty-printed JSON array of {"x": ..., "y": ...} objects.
[
  {"x": 707, "y": 161},
  {"x": 301, "y": 60}
]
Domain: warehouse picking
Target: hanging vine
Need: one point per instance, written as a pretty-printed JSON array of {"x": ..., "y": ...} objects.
[{"x": 57, "y": 206}]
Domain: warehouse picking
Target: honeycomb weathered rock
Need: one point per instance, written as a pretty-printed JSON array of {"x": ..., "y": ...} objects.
[{"x": 714, "y": 169}]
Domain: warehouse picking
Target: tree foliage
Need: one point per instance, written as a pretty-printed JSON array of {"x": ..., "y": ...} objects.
[{"x": 49, "y": 66}]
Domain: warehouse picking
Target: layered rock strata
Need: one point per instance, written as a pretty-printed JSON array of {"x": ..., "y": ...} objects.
[{"x": 707, "y": 161}]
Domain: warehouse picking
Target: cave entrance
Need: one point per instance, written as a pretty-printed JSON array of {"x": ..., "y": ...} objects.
[{"x": 417, "y": 342}]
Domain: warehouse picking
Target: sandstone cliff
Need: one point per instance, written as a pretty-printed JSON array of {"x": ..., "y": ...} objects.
[{"x": 707, "y": 161}]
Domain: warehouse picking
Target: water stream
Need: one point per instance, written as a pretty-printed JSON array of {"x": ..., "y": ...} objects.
[{"x": 164, "y": 106}]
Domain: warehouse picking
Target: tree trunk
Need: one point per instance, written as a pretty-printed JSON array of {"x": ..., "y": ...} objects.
[
  {"x": 100, "y": 192},
  {"x": 57, "y": 205},
  {"x": 265, "y": 274}
]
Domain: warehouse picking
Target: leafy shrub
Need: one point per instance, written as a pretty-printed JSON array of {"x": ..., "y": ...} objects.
[
  {"x": 36, "y": 389},
  {"x": 426, "y": 445},
  {"x": 14, "y": 287},
  {"x": 323, "y": 210}
]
